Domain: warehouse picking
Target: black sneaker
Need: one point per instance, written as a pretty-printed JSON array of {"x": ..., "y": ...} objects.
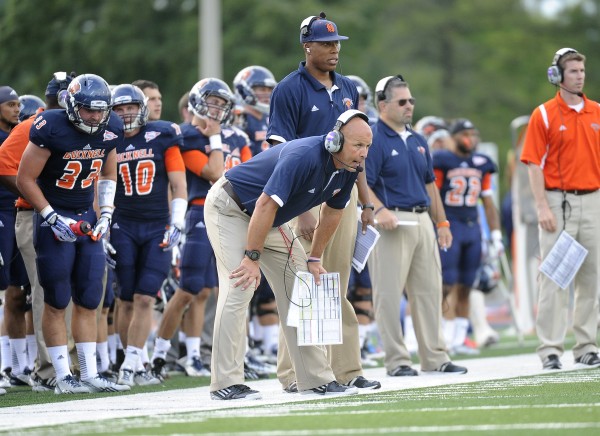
[
  {"x": 251, "y": 374},
  {"x": 403, "y": 371},
  {"x": 332, "y": 388},
  {"x": 451, "y": 368},
  {"x": 551, "y": 362},
  {"x": 158, "y": 369},
  {"x": 236, "y": 392},
  {"x": 43, "y": 385},
  {"x": 292, "y": 388},
  {"x": 588, "y": 360},
  {"x": 362, "y": 383}
]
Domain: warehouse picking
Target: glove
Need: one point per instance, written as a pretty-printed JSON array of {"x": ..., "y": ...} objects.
[
  {"x": 497, "y": 244},
  {"x": 109, "y": 252},
  {"x": 171, "y": 238},
  {"x": 61, "y": 226},
  {"x": 101, "y": 227}
]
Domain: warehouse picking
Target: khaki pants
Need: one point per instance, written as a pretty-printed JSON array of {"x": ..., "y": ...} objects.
[
  {"x": 553, "y": 303},
  {"x": 407, "y": 257},
  {"x": 344, "y": 358},
  {"x": 227, "y": 228}
]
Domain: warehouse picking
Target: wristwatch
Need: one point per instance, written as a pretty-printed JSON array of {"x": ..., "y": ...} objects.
[
  {"x": 252, "y": 254},
  {"x": 368, "y": 206}
]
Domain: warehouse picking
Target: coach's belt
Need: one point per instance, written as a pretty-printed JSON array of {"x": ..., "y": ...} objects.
[
  {"x": 416, "y": 209},
  {"x": 574, "y": 191},
  {"x": 229, "y": 189}
]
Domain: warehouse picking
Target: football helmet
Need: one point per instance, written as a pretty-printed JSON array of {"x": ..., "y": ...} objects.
[
  {"x": 91, "y": 92},
  {"x": 429, "y": 124},
  {"x": 131, "y": 94},
  {"x": 211, "y": 87},
  {"x": 29, "y": 105},
  {"x": 247, "y": 79},
  {"x": 363, "y": 89}
]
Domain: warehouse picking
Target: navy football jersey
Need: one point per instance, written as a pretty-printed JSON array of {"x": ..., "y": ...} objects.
[
  {"x": 143, "y": 183},
  {"x": 76, "y": 159},
  {"x": 234, "y": 141},
  {"x": 462, "y": 180},
  {"x": 256, "y": 129}
]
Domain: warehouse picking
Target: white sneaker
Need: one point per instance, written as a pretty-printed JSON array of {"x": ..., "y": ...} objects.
[
  {"x": 70, "y": 385},
  {"x": 142, "y": 378},
  {"x": 100, "y": 384},
  {"x": 196, "y": 368},
  {"x": 2, "y": 391},
  {"x": 4, "y": 380},
  {"x": 126, "y": 377}
]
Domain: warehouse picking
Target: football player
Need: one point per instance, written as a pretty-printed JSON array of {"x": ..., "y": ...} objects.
[{"x": 149, "y": 164}]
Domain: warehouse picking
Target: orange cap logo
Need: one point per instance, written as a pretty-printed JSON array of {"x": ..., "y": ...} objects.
[
  {"x": 330, "y": 28},
  {"x": 74, "y": 87}
]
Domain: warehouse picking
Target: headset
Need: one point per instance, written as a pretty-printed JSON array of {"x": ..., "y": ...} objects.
[
  {"x": 382, "y": 85},
  {"x": 334, "y": 141},
  {"x": 555, "y": 71}
]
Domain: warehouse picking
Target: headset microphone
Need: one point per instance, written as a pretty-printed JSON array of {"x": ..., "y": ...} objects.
[
  {"x": 357, "y": 168},
  {"x": 578, "y": 94}
]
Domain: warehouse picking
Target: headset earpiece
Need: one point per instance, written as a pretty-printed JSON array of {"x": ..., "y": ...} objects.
[
  {"x": 555, "y": 71},
  {"x": 334, "y": 141},
  {"x": 382, "y": 85},
  {"x": 307, "y": 50}
]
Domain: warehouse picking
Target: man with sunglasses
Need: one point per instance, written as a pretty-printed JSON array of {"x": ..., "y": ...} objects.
[
  {"x": 306, "y": 103},
  {"x": 402, "y": 182}
]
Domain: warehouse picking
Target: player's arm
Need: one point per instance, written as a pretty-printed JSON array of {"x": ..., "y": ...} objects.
[
  {"x": 178, "y": 189},
  {"x": 438, "y": 214},
  {"x": 261, "y": 223},
  {"x": 106, "y": 188},
  {"x": 34, "y": 159}
]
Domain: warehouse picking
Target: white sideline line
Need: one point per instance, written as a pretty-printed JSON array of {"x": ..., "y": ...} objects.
[{"x": 198, "y": 400}]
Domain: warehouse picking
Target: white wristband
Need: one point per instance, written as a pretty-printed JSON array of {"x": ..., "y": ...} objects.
[
  {"x": 215, "y": 142},
  {"x": 178, "y": 209},
  {"x": 46, "y": 211},
  {"x": 496, "y": 235},
  {"x": 106, "y": 193}
]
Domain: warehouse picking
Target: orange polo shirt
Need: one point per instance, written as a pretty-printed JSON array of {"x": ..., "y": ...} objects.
[{"x": 565, "y": 144}]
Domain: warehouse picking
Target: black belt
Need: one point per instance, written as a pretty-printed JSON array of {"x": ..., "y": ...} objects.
[
  {"x": 416, "y": 209},
  {"x": 229, "y": 189},
  {"x": 574, "y": 191}
]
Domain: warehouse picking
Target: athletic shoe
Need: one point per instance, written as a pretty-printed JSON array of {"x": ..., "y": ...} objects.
[
  {"x": 362, "y": 383},
  {"x": 236, "y": 392},
  {"x": 43, "y": 385},
  {"x": 258, "y": 366},
  {"x": 143, "y": 378},
  {"x": 551, "y": 362},
  {"x": 2, "y": 391},
  {"x": 158, "y": 369},
  {"x": 23, "y": 379},
  {"x": 100, "y": 384},
  {"x": 331, "y": 389},
  {"x": 366, "y": 361},
  {"x": 109, "y": 374},
  {"x": 196, "y": 368},
  {"x": 251, "y": 374},
  {"x": 450, "y": 368},
  {"x": 126, "y": 377},
  {"x": 4, "y": 380},
  {"x": 292, "y": 388},
  {"x": 588, "y": 360},
  {"x": 464, "y": 350},
  {"x": 70, "y": 385},
  {"x": 403, "y": 371}
]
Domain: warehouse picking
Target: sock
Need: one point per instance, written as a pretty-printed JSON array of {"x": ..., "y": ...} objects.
[
  {"x": 59, "y": 356},
  {"x": 112, "y": 347},
  {"x": 32, "y": 351},
  {"x": 270, "y": 338},
  {"x": 5, "y": 353},
  {"x": 86, "y": 354},
  {"x": 18, "y": 348},
  {"x": 461, "y": 325},
  {"x": 363, "y": 330},
  {"x": 132, "y": 357},
  {"x": 449, "y": 327},
  {"x": 161, "y": 348},
  {"x": 144, "y": 357},
  {"x": 410, "y": 337},
  {"x": 192, "y": 346},
  {"x": 102, "y": 354},
  {"x": 256, "y": 330}
]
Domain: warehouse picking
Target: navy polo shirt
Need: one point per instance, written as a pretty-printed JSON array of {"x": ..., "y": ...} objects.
[
  {"x": 398, "y": 170},
  {"x": 297, "y": 175},
  {"x": 301, "y": 106}
]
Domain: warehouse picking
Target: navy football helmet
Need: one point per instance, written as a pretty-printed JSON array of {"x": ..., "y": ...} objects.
[
  {"x": 246, "y": 80},
  {"x": 131, "y": 94},
  {"x": 363, "y": 89},
  {"x": 29, "y": 105},
  {"x": 90, "y": 92},
  {"x": 211, "y": 87}
]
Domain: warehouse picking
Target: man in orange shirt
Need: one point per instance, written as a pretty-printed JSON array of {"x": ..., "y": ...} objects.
[{"x": 562, "y": 151}]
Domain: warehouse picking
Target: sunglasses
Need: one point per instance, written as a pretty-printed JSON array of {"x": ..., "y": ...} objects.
[{"x": 403, "y": 101}]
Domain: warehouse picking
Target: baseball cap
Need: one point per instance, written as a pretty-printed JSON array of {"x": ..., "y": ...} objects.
[
  {"x": 7, "y": 94},
  {"x": 59, "y": 81},
  {"x": 460, "y": 125},
  {"x": 315, "y": 28}
]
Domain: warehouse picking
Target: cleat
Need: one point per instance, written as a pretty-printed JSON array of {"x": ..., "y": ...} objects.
[
  {"x": 4, "y": 380},
  {"x": 43, "y": 385},
  {"x": 362, "y": 383},
  {"x": 23, "y": 379},
  {"x": 292, "y": 388},
  {"x": 331, "y": 389},
  {"x": 403, "y": 371},
  {"x": 251, "y": 374},
  {"x": 126, "y": 377},
  {"x": 70, "y": 385},
  {"x": 551, "y": 362},
  {"x": 2, "y": 391},
  {"x": 450, "y": 368},
  {"x": 258, "y": 366},
  {"x": 143, "y": 378},
  {"x": 110, "y": 375},
  {"x": 196, "y": 368},
  {"x": 464, "y": 350},
  {"x": 236, "y": 392},
  {"x": 158, "y": 370},
  {"x": 588, "y": 360},
  {"x": 100, "y": 384}
]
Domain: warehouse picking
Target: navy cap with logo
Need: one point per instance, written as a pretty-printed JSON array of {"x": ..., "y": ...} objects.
[
  {"x": 315, "y": 28},
  {"x": 460, "y": 125},
  {"x": 7, "y": 94}
]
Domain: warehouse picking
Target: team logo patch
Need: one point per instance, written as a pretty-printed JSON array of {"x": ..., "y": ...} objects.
[
  {"x": 330, "y": 28},
  {"x": 109, "y": 136},
  {"x": 149, "y": 136},
  {"x": 595, "y": 127},
  {"x": 421, "y": 150},
  {"x": 335, "y": 192},
  {"x": 347, "y": 103},
  {"x": 74, "y": 87},
  {"x": 479, "y": 160}
]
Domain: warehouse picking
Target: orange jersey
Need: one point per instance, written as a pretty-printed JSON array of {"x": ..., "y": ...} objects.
[
  {"x": 11, "y": 152},
  {"x": 565, "y": 144}
]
